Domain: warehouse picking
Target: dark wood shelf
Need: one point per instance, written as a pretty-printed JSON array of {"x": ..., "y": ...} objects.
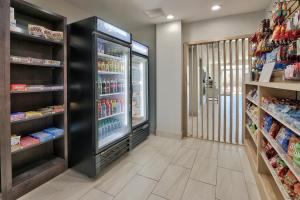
[
  {"x": 32, "y": 38},
  {"x": 36, "y": 118},
  {"x": 35, "y": 145},
  {"x": 36, "y": 91},
  {"x": 36, "y": 176},
  {"x": 38, "y": 65}
]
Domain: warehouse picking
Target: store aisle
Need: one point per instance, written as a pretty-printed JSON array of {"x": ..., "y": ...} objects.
[{"x": 162, "y": 169}]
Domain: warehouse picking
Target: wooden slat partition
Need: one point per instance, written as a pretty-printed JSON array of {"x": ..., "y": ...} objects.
[{"x": 215, "y": 73}]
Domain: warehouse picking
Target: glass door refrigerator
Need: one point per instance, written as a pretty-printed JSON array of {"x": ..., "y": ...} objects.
[
  {"x": 140, "y": 104},
  {"x": 99, "y": 95}
]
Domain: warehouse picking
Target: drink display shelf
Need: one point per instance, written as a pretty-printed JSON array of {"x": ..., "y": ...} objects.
[
  {"x": 110, "y": 94},
  {"x": 110, "y": 116},
  {"x": 110, "y": 73},
  {"x": 106, "y": 56},
  {"x": 116, "y": 135}
]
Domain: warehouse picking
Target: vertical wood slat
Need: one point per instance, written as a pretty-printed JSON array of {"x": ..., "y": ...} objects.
[
  {"x": 237, "y": 129},
  {"x": 185, "y": 96},
  {"x": 231, "y": 91},
  {"x": 192, "y": 90},
  {"x": 219, "y": 92},
  {"x": 207, "y": 105},
  {"x": 198, "y": 88},
  {"x": 213, "y": 100},
  {"x": 6, "y": 160},
  {"x": 225, "y": 101},
  {"x": 201, "y": 91},
  {"x": 243, "y": 93},
  {"x": 249, "y": 60}
]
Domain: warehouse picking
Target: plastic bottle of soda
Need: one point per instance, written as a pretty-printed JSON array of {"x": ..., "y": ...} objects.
[
  {"x": 103, "y": 109},
  {"x": 108, "y": 108},
  {"x": 107, "y": 87},
  {"x": 100, "y": 87},
  {"x": 103, "y": 87}
]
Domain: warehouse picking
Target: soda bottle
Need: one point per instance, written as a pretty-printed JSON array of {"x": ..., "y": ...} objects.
[
  {"x": 107, "y": 87},
  {"x": 112, "y": 84},
  {"x": 100, "y": 87},
  {"x": 99, "y": 109},
  {"x": 103, "y": 109},
  {"x": 107, "y": 66},
  {"x": 108, "y": 108}
]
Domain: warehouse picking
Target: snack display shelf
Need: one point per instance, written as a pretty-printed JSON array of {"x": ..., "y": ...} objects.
[
  {"x": 252, "y": 118},
  {"x": 37, "y": 117},
  {"x": 252, "y": 135},
  {"x": 35, "y": 145},
  {"x": 111, "y": 94},
  {"x": 32, "y": 38},
  {"x": 110, "y": 73},
  {"x": 38, "y": 65},
  {"x": 294, "y": 86},
  {"x": 37, "y": 91},
  {"x": 289, "y": 162},
  {"x": 275, "y": 177},
  {"x": 252, "y": 101},
  {"x": 102, "y": 55},
  {"x": 114, "y": 115},
  {"x": 295, "y": 130}
]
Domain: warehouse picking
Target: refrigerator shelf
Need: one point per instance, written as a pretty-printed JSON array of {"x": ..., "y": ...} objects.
[
  {"x": 109, "y": 139},
  {"x": 110, "y": 116},
  {"x": 110, "y": 73},
  {"x": 106, "y": 56},
  {"x": 111, "y": 94}
]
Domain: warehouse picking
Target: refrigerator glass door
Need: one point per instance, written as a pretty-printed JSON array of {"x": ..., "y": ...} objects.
[
  {"x": 112, "y": 91},
  {"x": 139, "y": 90}
]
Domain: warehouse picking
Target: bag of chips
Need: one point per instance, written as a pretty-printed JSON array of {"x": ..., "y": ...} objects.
[
  {"x": 290, "y": 179},
  {"x": 293, "y": 141},
  {"x": 296, "y": 155},
  {"x": 274, "y": 129},
  {"x": 283, "y": 138}
]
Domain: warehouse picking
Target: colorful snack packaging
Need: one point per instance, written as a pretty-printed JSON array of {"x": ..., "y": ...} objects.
[
  {"x": 296, "y": 155},
  {"x": 273, "y": 161},
  {"x": 297, "y": 191},
  {"x": 283, "y": 138},
  {"x": 293, "y": 141},
  {"x": 274, "y": 129},
  {"x": 270, "y": 151},
  {"x": 290, "y": 179},
  {"x": 35, "y": 30}
]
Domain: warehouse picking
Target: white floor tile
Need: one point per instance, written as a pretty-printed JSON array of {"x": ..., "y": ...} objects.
[
  {"x": 196, "y": 190},
  {"x": 95, "y": 194},
  {"x": 205, "y": 170},
  {"x": 139, "y": 188},
  {"x": 185, "y": 157}
]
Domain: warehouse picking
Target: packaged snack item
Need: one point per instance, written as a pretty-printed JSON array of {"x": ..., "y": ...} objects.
[
  {"x": 297, "y": 191},
  {"x": 293, "y": 141},
  {"x": 296, "y": 156},
  {"x": 273, "y": 161},
  {"x": 31, "y": 114},
  {"x": 267, "y": 122},
  {"x": 18, "y": 87},
  {"x": 274, "y": 129},
  {"x": 290, "y": 179},
  {"x": 35, "y": 87},
  {"x": 17, "y": 116},
  {"x": 52, "y": 62},
  {"x": 55, "y": 132},
  {"x": 47, "y": 34},
  {"x": 289, "y": 190},
  {"x": 57, "y": 35},
  {"x": 270, "y": 151},
  {"x": 46, "y": 111},
  {"x": 36, "y": 61},
  {"x": 28, "y": 141},
  {"x": 35, "y": 30},
  {"x": 42, "y": 136},
  {"x": 283, "y": 138},
  {"x": 19, "y": 59}
]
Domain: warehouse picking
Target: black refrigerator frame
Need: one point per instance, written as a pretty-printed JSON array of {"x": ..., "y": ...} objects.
[
  {"x": 84, "y": 154},
  {"x": 141, "y": 131}
]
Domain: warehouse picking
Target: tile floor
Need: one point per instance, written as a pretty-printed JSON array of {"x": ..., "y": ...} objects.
[{"x": 162, "y": 169}]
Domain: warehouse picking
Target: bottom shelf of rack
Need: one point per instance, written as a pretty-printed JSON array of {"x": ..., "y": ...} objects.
[{"x": 28, "y": 180}]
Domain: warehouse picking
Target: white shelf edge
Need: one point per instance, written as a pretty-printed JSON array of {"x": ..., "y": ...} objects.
[
  {"x": 109, "y": 56},
  {"x": 114, "y": 115}
]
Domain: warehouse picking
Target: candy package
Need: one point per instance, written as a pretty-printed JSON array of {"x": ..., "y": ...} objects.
[
  {"x": 290, "y": 179},
  {"x": 283, "y": 138},
  {"x": 296, "y": 155},
  {"x": 267, "y": 122},
  {"x": 35, "y": 30},
  {"x": 274, "y": 129},
  {"x": 270, "y": 151},
  {"x": 293, "y": 141}
]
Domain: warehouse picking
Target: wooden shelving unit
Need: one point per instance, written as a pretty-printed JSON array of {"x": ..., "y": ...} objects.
[
  {"x": 29, "y": 167},
  {"x": 268, "y": 183}
]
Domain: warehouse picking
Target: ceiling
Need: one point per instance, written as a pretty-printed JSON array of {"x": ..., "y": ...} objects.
[{"x": 132, "y": 12}]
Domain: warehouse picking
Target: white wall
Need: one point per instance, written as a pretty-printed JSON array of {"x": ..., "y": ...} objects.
[
  {"x": 218, "y": 28},
  {"x": 169, "y": 72}
]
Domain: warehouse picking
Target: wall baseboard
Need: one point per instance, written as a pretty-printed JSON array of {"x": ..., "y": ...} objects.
[{"x": 168, "y": 134}]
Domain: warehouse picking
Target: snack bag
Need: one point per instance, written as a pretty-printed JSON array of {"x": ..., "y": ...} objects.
[
  {"x": 293, "y": 141},
  {"x": 283, "y": 138},
  {"x": 297, "y": 191},
  {"x": 296, "y": 155},
  {"x": 290, "y": 179},
  {"x": 274, "y": 129}
]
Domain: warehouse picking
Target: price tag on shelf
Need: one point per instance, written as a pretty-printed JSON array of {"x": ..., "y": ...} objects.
[{"x": 266, "y": 73}]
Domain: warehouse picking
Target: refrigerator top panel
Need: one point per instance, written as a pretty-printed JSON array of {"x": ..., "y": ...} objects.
[
  {"x": 113, "y": 31},
  {"x": 140, "y": 48}
]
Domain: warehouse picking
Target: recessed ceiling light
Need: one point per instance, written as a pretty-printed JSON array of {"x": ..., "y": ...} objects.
[
  {"x": 216, "y": 7},
  {"x": 170, "y": 17}
]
